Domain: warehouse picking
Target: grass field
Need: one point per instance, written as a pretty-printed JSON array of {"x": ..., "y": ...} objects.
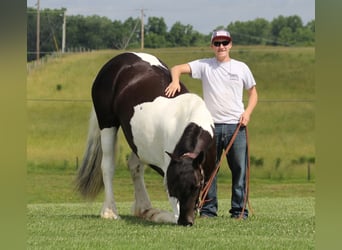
[
  {"x": 279, "y": 223},
  {"x": 281, "y": 136}
]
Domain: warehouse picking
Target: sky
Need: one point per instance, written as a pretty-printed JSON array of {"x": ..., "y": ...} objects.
[{"x": 203, "y": 15}]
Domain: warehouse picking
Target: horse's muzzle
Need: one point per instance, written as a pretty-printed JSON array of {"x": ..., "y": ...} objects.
[{"x": 187, "y": 223}]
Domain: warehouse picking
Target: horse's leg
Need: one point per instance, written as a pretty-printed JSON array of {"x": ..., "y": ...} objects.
[
  {"x": 142, "y": 200},
  {"x": 142, "y": 206},
  {"x": 175, "y": 206},
  {"x": 108, "y": 137}
]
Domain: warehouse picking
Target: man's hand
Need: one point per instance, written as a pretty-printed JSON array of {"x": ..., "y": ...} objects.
[
  {"x": 171, "y": 90},
  {"x": 244, "y": 119}
]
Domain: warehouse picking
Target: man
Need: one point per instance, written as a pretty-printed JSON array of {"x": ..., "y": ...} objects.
[{"x": 223, "y": 82}]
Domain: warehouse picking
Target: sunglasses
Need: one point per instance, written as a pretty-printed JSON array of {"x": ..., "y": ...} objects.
[{"x": 218, "y": 44}]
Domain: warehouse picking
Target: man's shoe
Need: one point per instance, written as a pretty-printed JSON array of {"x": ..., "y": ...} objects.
[
  {"x": 207, "y": 216},
  {"x": 238, "y": 216}
]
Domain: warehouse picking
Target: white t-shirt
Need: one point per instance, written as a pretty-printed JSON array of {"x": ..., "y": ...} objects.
[{"x": 223, "y": 85}]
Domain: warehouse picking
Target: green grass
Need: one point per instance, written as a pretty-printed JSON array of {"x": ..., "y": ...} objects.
[{"x": 278, "y": 223}]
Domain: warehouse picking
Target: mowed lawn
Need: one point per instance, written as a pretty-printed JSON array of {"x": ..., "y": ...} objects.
[
  {"x": 281, "y": 141},
  {"x": 278, "y": 223}
]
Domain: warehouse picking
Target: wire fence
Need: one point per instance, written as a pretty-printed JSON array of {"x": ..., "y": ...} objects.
[
  {"x": 89, "y": 100},
  {"x": 281, "y": 137}
]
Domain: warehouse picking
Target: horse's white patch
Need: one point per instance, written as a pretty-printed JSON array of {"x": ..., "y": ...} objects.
[
  {"x": 157, "y": 126},
  {"x": 175, "y": 206},
  {"x": 150, "y": 59}
]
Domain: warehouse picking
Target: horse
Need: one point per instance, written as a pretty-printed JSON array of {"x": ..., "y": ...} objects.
[{"x": 174, "y": 136}]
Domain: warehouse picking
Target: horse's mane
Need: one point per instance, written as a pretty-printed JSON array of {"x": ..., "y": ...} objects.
[{"x": 191, "y": 140}]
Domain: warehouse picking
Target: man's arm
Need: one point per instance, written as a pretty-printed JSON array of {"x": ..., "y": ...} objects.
[
  {"x": 176, "y": 72},
  {"x": 252, "y": 102}
]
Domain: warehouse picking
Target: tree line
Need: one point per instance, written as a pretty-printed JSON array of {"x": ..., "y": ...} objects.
[{"x": 96, "y": 32}]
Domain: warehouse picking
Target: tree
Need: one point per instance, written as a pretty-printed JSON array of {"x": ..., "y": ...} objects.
[
  {"x": 131, "y": 33},
  {"x": 287, "y": 30},
  {"x": 277, "y": 25},
  {"x": 95, "y": 32},
  {"x": 80, "y": 32},
  {"x": 285, "y": 36},
  {"x": 153, "y": 40},
  {"x": 294, "y": 23},
  {"x": 156, "y": 25},
  {"x": 311, "y": 26},
  {"x": 155, "y": 33},
  {"x": 31, "y": 34},
  {"x": 118, "y": 40},
  {"x": 181, "y": 35},
  {"x": 51, "y": 21},
  {"x": 304, "y": 37},
  {"x": 250, "y": 32}
]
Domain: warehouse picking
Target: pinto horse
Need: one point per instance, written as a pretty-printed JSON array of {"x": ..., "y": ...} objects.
[{"x": 174, "y": 136}]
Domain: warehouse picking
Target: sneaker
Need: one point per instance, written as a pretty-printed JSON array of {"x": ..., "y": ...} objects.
[
  {"x": 237, "y": 216},
  {"x": 207, "y": 216},
  {"x": 204, "y": 216}
]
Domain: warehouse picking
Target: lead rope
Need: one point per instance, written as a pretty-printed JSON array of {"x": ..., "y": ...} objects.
[
  {"x": 246, "y": 198},
  {"x": 205, "y": 190}
]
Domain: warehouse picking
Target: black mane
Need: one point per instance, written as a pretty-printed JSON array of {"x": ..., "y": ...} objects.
[{"x": 194, "y": 139}]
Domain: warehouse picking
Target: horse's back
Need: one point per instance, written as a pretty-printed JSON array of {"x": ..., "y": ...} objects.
[{"x": 126, "y": 81}]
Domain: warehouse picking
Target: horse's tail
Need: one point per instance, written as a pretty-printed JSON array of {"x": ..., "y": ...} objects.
[{"x": 89, "y": 180}]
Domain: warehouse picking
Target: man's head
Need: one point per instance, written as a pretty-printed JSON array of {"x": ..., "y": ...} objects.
[
  {"x": 221, "y": 43},
  {"x": 220, "y": 35}
]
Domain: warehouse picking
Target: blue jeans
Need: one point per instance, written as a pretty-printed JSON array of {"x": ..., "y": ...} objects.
[{"x": 237, "y": 161}]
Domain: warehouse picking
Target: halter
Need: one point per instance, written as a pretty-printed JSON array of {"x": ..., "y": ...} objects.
[
  {"x": 191, "y": 155},
  {"x": 205, "y": 190}
]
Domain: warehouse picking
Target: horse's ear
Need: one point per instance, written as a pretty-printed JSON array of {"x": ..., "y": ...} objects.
[
  {"x": 169, "y": 154},
  {"x": 198, "y": 160}
]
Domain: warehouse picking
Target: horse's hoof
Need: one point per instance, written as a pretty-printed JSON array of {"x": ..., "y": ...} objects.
[
  {"x": 159, "y": 216},
  {"x": 109, "y": 214}
]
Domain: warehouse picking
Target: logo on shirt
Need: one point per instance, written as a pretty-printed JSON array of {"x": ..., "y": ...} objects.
[{"x": 233, "y": 77}]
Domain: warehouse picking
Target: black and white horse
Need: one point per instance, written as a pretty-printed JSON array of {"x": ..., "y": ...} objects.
[{"x": 172, "y": 135}]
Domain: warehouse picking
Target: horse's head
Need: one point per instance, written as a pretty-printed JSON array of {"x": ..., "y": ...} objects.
[{"x": 184, "y": 181}]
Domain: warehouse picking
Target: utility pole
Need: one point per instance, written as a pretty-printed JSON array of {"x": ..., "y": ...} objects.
[
  {"x": 142, "y": 28},
  {"x": 38, "y": 30},
  {"x": 63, "y": 32}
]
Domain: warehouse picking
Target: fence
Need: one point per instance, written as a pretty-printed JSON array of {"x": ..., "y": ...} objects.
[{"x": 279, "y": 150}]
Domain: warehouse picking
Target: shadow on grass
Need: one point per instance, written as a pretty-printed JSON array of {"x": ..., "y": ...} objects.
[
  {"x": 140, "y": 221},
  {"x": 129, "y": 219}
]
